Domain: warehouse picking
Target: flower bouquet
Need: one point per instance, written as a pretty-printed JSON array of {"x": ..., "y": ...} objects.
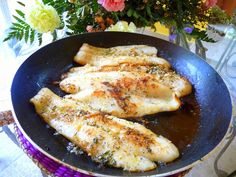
[{"x": 185, "y": 20}]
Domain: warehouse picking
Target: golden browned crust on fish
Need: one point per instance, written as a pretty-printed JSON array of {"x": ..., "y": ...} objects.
[
  {"x": 180, "y": 85},
  {"x": 120, "y": 93},
  {"x": 106, "y": 139}
]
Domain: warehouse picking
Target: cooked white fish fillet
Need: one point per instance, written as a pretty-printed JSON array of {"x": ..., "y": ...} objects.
[
  {"x": 120, "y": 93},
  {"x": 165, "y": 76},
  {"x": 127, "y": 50},
  {"x": 138, "y": 54},
  {"x": 107, "y": 139}
]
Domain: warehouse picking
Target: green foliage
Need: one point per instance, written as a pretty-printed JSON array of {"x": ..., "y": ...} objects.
[
  {"x": 81, "y": 16},
  {"x": 76, "y": 16},
  {"x": 218, "y": 16},
  {"x": 201, "y": 35},
  {"x": 20, "y": 29}
]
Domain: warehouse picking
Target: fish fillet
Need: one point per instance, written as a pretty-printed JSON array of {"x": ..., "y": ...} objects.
[
  {"x": 138, "y": 54},
  {"x": 107, "y": 139},
  {"x": 120, "y": 93},
  {"x": 165, "y": 76}
]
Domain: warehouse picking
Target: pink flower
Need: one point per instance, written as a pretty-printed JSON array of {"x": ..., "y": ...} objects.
[
  {"x": 210, "y": 3},
  {"x": 112, "y": 5}
]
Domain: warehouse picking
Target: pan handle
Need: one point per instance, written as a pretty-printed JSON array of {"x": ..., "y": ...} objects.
[
  {"x": 230, "y": 138},
  {"x": 231, "y": 134}
]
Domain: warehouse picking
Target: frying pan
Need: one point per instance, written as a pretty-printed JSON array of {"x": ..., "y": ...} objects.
[{"x": 47, "y": 64}]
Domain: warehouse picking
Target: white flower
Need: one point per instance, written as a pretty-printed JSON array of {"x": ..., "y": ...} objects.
[
  {"x": 123, "y": 26},
  {"x": 43, "y": 18}
]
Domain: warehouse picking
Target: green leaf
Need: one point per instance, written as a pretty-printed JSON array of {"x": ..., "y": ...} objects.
[
  {"x": 20, "y": 13},
  {"x": 130, "y": 12},
  {"x": 148, "y": 9},
  {"x": 19, "y": 20},
  {"x": 135, "y": 14},
  {"x": 32, "y": 34},
  {"x": 17, "y": 35},
  {"x": 69, "y": 33},
  {"x": 202, "y": 35},
  {"x": 95, "y": 6},
  {"x": 115, "y": 16},
  {"x": 21, "y": 34},
  {"x": 49, "y": 2},
  {"x": 54, "y": 35},
  {"x": 13, "y": 28},
  {"x": 7, "y": 38},
  {"x": 26, "y": 34},
  {"x": 82, "y": 12},
  {"x": 21, "y": 3},
  {"x": 18, "y": 25},
  {"x": 62, "y": 24},
  {"x": 40, "y": 38}
]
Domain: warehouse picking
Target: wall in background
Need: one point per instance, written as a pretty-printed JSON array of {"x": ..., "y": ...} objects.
[{"x": 228, "y": 5}]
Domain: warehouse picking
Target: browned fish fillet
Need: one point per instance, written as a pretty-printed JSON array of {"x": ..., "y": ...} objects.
[
  {"x": 107, "y": 139},
  {"x": 120, "y": 93},
  {"x": 136, "y": 54},
  {"x": 165, "y": 76}
]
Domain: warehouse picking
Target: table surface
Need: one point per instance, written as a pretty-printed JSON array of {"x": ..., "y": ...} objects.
[{"x": 12, "y": 159}]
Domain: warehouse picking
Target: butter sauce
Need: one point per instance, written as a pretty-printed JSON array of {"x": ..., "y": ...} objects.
[{"x": 179, "y": 126}]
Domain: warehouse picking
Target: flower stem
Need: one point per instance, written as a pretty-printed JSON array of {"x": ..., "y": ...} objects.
[
  {"x": 184, "y": 40},
  {"x": 177, "y": 40},
  {"x": 200, "y": 49}
]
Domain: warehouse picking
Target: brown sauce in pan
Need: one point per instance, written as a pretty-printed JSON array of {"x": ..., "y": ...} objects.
[{"x": 179, "y": 126}]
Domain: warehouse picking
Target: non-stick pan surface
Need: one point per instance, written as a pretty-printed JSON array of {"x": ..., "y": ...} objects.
[{"x": 47, "y": 64}]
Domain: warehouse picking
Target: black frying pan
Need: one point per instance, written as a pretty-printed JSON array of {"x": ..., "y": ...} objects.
[{"x": 47, "y": 64}]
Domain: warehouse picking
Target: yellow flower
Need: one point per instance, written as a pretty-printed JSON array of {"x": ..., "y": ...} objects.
[
  {"x": 161, "y": 29},
  {"x": 123, "y": 26},
  {"x": 201, "y": 25},
  {"x": 164, "y": 6},
  {"x": 43, "y": 18}
]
